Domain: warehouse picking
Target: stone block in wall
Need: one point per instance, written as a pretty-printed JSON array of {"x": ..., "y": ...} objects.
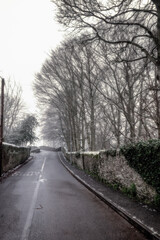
[
  {"x": 70, "y": 157},
  {"x": 75, "y": 158},
  {"x": 91, "y": 162}
]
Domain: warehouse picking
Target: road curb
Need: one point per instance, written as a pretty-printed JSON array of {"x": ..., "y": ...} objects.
[
  {"x": 131, "y": 219},
  {"x": 7, "y": 174}
]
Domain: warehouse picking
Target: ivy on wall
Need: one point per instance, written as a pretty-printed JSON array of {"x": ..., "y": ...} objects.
[{"x": 144, "y": 157}]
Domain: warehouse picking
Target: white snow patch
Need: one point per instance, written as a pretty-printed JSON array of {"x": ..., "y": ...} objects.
[
  {"x": 91, "y": 153},
  {"x": 87, "y": 153},
  {"x": 12, "y": 145}
]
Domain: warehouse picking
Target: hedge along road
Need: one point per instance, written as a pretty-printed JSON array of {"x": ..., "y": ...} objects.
[{"x": 43, "y": 201}]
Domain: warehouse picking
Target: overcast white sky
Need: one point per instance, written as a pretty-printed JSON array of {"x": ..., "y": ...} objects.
[{"x": 27, "y": 33}]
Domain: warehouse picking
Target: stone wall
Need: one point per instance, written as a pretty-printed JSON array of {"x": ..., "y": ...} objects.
[
  {"x": 14, "y": 156},
  {"x": 114, "y": 169}
]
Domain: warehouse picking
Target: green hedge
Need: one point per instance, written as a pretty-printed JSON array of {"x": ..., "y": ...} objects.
[{"x": 144, "y": 157}]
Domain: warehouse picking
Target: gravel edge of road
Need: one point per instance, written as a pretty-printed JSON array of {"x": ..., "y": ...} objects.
[{"x": 141, "y": 227}]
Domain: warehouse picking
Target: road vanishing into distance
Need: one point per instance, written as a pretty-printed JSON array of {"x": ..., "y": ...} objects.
[{"x": 42, "y": 201}]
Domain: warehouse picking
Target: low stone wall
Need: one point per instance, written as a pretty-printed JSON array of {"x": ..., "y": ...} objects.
[
  {"x": 14, "y": 156},
  {"x": 112, "y": 167}
]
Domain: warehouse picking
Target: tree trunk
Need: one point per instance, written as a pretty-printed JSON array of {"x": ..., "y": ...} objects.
[
  {"x": 92, "y": 127},
  {"x": 140, "y": 112},
  {"x": 157, "y": 78}
]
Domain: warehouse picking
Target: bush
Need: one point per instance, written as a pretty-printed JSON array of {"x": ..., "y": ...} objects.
[
  {"x": 130, "y": 191},
  {"x": 144, "y": 157},
  {"x": 111, "y": 152},
  {"x": 77, "y": 155},
  {"x": 157, "y": 200}
]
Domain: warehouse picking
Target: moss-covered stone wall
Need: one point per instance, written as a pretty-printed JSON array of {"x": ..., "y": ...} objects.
[
  {"x": 13, "y": 156},
  {"x": 112, "y": 167}
]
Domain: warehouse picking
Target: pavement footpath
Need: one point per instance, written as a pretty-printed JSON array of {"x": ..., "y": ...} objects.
[{"x": 144, "y": 218}]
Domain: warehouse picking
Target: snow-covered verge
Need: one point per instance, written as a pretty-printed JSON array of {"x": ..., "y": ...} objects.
[{"x": 13, "y": 156}]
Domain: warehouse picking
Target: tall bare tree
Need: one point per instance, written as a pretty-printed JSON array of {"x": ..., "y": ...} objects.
[
  {"x": 69, "y": 81},
  {"x": 13, "y": 106}
]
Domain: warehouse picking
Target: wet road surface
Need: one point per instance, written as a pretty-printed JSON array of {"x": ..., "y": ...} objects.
[{"x": 42, "y": 201}]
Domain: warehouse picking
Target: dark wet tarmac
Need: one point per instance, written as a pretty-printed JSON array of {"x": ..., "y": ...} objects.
[{"x": 42, "y": 201}]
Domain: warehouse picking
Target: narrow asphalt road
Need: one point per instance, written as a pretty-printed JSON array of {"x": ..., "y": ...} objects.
[{"x": 42, "y": 201}]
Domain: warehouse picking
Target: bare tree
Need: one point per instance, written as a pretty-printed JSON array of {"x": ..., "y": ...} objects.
[
  {"x": 69, "y": 81},
  {"x": 51, "y": 127},
  {"x": 124, "y": 88},
  {"x": 13, "y": 106}
]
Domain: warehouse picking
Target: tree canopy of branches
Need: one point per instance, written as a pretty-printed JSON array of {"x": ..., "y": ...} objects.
[
  {"x": 121, "y": 24},
  {"x": 104, "y": 85},
  {"x": 98, "y": 102}
]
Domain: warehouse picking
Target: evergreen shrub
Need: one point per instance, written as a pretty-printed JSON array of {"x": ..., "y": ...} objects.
[{"x": 144, "y": 157}]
